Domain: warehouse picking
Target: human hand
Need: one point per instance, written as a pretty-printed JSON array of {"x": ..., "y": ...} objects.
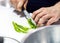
[
  {"x": 18, "y": 4},
  {"x": 49, "y": 14}
]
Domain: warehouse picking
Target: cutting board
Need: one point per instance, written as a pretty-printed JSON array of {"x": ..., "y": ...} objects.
[{"x": 7, "y": 15}]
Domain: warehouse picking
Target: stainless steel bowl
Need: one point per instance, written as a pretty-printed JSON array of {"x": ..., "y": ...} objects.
[{"x": 47, "y": 34}]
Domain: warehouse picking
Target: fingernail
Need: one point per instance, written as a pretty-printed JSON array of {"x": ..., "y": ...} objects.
[
  {"x": 35, "y": 21},
  {"x": 47, "y": 24},
  {"x": 40, "y": 25}
]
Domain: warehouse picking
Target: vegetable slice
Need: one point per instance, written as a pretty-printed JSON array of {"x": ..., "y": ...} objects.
[
  {"x": 32, "y": 25},
  {"x": 20, "y": 28}
]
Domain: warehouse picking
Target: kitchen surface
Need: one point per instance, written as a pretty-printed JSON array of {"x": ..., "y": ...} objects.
[{"x": 7, "y": 16}]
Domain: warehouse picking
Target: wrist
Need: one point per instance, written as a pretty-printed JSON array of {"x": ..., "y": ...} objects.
[{"x": 57, "y": 5}]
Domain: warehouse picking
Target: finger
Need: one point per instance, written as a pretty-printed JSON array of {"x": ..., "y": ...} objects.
[
  {"x": 37, "y": 12},
  {"x": 39, "y": 16},
  {"x": 52, "y": 20},
  {"x": 25, "y": 4},
  {"x": 43, "y": 19},
  {"x": 40, "y": 23},
  {"x": 19, "y": 6}
]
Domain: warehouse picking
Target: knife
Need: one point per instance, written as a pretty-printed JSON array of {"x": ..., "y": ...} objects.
[{"x": 29, "y": 19}]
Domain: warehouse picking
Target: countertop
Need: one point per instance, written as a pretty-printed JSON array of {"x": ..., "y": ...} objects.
[{"x": 7, "y": 15}]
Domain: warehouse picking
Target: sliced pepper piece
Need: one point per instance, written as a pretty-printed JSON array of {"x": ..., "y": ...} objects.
[
  {"x": 20, "y": 28},
  {"x": 32, "y": 25}
]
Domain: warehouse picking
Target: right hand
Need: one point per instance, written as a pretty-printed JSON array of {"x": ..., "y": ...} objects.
[{"x": 18, "y": 4}]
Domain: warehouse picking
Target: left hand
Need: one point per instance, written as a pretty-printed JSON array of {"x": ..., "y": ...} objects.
[{"x": 52, "y": 14}]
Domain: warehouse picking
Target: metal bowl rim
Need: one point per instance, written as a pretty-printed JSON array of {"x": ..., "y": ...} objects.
[{"x": 40, "y": 28}]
